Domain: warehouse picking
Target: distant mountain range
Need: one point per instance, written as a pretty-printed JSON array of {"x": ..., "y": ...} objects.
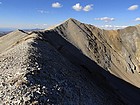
[
  {"x": 4, "y": 31},
  {"x": 12, "y": 29}
]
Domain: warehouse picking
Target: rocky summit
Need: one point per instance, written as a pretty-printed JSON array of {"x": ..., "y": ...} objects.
[{"x": 70, "y": 64}]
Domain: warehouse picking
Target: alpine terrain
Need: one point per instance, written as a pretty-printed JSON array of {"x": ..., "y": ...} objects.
[{"x": 70, "y": 64}]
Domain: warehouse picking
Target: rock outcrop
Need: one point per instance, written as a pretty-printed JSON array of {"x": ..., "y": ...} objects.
[{"x": 71, "y": 64}]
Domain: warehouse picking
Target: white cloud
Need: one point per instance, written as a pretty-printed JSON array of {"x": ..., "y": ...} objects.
[
  {"x": 40, "y": 26},
  {"x": 25, "y": 26},
  {"x": 45, "y": 24},
  {"x": 119, "y": 27},
  {"x": 105, "y": 19},
  {"x": 42, "y": 11},
  {"x": 88, "y": 7},
  {"x": 77, "y": 7},
  {"x": 56, "y": 5},
  {"x": 137, "y": 19},
  {"x": 35, "y": 25},
  {"x": 133, "y": 7},
  {"x": 109, "y": 27}
]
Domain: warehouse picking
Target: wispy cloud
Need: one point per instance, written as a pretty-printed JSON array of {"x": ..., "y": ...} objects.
[
  {"x": 88, "y": 7},
  {"x": 45, "y": 24},
  {"x": 38, "y": 26},
  {"x": 105, "y": 19},
  {"x": 133, "y": 7},
  {"x": 25, "y": 26},
  {"x": 77, "y": 7},
  {"x": 56, "y": 5},
  {"x": 42, "y": 11},
  {"x": 112, "y": 27},
  {"x": 137, "y": 19}
]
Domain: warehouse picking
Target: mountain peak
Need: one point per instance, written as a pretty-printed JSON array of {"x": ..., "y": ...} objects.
[
  {"x": 71, "y": 19},
  {"x": 19, "y": 30}
]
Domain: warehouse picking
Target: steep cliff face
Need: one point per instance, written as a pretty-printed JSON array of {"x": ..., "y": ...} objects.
[{"x": 73, "y": 63}]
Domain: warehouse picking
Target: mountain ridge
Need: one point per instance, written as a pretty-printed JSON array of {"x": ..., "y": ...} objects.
[
  {"x": 30, "y": 79},
  {"x": 68, "y": 53}
]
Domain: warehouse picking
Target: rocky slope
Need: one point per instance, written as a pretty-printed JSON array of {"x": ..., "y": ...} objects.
[{"x": 71, "y": 64}]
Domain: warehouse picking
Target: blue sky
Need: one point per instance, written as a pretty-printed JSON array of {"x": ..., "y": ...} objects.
[{"x": 45, "y": 13}]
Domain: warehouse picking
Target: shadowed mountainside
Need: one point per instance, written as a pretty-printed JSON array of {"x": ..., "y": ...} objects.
[{"x": 73, "y": 63}]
